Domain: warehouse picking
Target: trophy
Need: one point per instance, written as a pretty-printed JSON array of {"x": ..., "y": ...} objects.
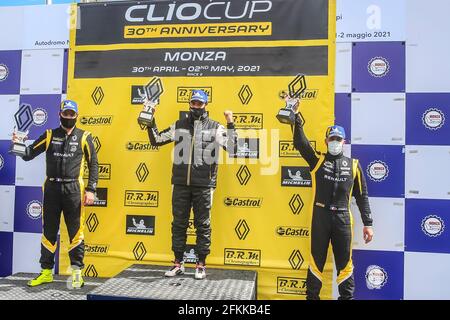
[
  {"x": 24, "y": 120},
  {"x": 152, "y": 91},
  {"x": 296, "y": 87}
]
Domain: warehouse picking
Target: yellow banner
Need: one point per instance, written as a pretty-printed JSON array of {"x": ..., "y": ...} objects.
[{"x": 259, "y": 220}]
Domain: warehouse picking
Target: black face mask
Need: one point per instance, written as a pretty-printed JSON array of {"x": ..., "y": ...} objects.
[
  {"x": 197, "y": 113},
  {"x": 68, "y": 123}
]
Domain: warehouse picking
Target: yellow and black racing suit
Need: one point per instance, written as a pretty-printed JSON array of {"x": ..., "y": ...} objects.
[
  {"x": 64, "y": 188},
  {"x": 335, "y": 179}
]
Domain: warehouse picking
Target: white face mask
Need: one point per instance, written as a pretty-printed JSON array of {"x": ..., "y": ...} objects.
[{"x": 335, "y": 147}]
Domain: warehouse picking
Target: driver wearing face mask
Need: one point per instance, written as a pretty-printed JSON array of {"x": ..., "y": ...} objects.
[
  {"x": 336, "y": 178},
  {"x": 67, "y": 149}
]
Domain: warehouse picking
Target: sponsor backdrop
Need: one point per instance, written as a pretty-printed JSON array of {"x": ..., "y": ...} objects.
[
  {"x": 392, "y": 94},
  {"x": 243, "y": 53}
]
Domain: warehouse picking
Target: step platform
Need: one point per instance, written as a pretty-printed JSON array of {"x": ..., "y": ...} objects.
[
  {"x": 148, "y": 282},
  {"x": 15, "y": 288}
]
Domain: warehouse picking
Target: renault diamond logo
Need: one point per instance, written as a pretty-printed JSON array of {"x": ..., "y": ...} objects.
[
  {"x": 246, "y": 94},
  {"x": 242, "y": 229},
  {"x": 296, "y": 260},
  {"x": 142, "y": 172},
  {"x": 90, "y": 271},
  {"x": 92, "y": 222},
  {"x": 139, "y": 251},
  {"x": 97, "y": 95},
  {"x": 24, "y": 117},
  {"x": 243, "y": 175},
  {"x": 297, "y": 86},
  {"x": 296, "y": 204},
  {"x": 97, "y": 144}
]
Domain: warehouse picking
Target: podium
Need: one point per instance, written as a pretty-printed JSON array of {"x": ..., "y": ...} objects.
[
  {"x": 15, "y": 288},
  {"x": 148, "y": 282}
]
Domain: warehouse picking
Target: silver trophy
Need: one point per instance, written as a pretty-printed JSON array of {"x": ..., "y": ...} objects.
[
  {"x": 150, "y": 96},
  {"x": 24, "y": 120},
  {"x": 296, "y": 87}
]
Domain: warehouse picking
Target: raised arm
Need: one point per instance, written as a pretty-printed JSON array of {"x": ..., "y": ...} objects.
[{"x": 302, "y": 144}]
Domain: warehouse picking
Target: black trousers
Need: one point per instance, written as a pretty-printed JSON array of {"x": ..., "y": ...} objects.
[
  {"x": 335, "y": 226},
  {"x": 199, "y": 199},
  {"x": 66, "y": 198}
]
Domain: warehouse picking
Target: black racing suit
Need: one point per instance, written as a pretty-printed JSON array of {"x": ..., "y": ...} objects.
[
  {"x": 64, "y": 188},
  {"x": 335, "y": 179},
  {"x": 194, "y": 175}
]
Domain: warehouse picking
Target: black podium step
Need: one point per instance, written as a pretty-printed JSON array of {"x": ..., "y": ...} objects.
[
  {"x": 15, "y": 288},
  {"x": 148, "y": 282}
]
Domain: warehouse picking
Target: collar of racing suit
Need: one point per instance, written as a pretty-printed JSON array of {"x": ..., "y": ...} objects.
[{"x": 65, "y": 132}]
